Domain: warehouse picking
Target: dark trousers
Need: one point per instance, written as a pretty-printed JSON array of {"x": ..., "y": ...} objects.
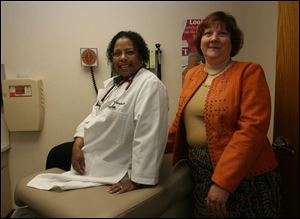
[{"x": 60, "y": 156}]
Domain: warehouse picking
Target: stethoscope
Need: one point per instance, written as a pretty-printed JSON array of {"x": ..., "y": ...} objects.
[{"x": 118, "y": 81}]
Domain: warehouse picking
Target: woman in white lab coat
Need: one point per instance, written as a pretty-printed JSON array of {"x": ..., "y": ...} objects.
[{"x": 124, "y": 136}]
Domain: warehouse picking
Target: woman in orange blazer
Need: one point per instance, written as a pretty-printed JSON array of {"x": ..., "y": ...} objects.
[{"x": 221, "y": 128}]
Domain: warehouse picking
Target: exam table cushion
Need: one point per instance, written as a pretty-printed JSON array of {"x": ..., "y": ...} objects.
[{"x": 175, "y": 185}]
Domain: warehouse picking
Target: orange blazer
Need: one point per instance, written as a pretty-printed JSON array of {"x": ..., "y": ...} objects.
[{"x": 237, "y": 117}]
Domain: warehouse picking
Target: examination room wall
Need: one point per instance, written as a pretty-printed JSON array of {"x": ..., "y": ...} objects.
[{"x": 43, "y": 39}]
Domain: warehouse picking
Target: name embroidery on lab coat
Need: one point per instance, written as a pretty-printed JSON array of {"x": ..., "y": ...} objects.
[{"x": 115, "y": 103}]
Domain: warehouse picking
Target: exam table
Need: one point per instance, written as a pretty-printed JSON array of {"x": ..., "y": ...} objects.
[{"x": 172, "y": 197}]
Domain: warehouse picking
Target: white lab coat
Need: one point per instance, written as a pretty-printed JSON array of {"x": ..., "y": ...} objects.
[{"x": 127, "y": 134}]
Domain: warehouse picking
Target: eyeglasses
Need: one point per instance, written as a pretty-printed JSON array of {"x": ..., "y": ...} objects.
[{"x": 127, "y": 53}]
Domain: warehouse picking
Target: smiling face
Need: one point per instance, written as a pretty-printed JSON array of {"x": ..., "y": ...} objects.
[
  {"x": 126, "y": 60},
  {"x": 216, "y": 44}
]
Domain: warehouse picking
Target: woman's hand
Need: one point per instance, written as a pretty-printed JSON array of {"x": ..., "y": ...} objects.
[
  {"x": 77, "y": 156},
  {"x": 216, "y": 201},
  {"x": 124, "y": 186}
]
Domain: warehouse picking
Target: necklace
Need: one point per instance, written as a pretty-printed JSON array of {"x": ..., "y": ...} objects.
[{"x": 213, "y": 73}]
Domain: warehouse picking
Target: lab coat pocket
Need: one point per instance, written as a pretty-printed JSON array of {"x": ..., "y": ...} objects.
[
  {"x": 108, "y": 128},
  {"x": 116, "y": 126}
]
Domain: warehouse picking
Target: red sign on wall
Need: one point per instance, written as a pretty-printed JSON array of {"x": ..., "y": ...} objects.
[{"x": 188, "y": 36}]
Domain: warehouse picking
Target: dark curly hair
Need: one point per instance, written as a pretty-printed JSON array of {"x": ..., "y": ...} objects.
[
  {"x": 226, "y": 21},
  {"x": 138, "y": 42}
]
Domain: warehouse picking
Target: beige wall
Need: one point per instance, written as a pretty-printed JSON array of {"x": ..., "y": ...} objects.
[{"x": 43, "y": 40}]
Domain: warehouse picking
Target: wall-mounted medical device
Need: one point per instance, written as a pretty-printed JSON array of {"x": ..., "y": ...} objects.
[
  {"x": 24, "y": 104},
  {"x": 89, "y": 59},
  {"x": 155, "y": 60}
]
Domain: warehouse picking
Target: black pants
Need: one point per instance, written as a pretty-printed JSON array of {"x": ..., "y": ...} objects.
[{"x": 60, "y": 156}]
